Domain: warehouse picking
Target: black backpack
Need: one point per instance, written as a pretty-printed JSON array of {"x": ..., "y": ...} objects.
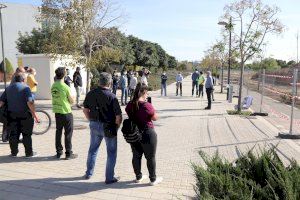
[{"x": 131, "y": 131}]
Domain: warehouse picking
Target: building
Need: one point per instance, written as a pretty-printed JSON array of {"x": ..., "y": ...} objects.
[{"x": 17, "y": 18}]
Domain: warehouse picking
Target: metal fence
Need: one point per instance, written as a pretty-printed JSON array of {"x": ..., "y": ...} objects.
[{"x": 277, "y": 95}]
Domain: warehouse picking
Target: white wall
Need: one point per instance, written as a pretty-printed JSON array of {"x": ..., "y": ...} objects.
[
  {"x": 16, "y": 18},
  {"x": 45, "y": 68}
]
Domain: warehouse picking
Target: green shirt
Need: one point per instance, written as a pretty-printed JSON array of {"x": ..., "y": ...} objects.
[
  {"x": 60, "y": 102},
  {"x": 201, "y": 80}
]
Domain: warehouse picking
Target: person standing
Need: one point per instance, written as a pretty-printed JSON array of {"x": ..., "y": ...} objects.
[
  {"x": 31, "y": 82},
  {"x": 77, "y": 84},
  {"x": 209, "y": 86},
  {"x": 102, "y": 109},
  {"x": 129, "y": 76},
  {"x": 115, "y": 82},
  {"x": 179, "y": 79},
  {"x": 145, "y": 75},
  {"x": 68, "y": 79},
  {"x": 124, "y": 88},
  {"x": 201, "y": 81},
  {"x": 61, "y": 102},
  {"x": 164, "y": 79},
  {"x": 195, "y": 77},
  {"x": 21, "y": 115},
  {"x": 143, "y": 113},
  {"x": 133, "y": 83}
]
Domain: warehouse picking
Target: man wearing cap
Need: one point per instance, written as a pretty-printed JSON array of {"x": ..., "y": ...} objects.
[{"x": 61, "y": 102}]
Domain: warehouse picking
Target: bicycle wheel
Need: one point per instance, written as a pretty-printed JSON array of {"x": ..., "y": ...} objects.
[{"x": 44, "y": 124}]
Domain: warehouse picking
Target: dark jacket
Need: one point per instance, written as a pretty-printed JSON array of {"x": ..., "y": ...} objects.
[{"x": 77, "y": 79}]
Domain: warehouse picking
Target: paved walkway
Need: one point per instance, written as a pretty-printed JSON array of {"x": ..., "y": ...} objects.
[{"x": 183, "y": 129}]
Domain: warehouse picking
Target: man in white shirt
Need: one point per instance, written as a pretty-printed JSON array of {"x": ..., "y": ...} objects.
[
  {"x": 179, "y": 79},
  {"x": 132, "y": 84}
]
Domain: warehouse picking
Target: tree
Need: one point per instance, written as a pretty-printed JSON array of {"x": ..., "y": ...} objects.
[
  {"x": 172, "y": 62},
  {"x": 9, "y": 68},
  {"x": 81, "y": 26},
  {"x": 254, "y": 21}
]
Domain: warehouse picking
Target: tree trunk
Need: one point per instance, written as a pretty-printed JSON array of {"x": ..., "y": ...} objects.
[
  {"x": 241, "y": 86},
  {"x": 88, "y": 71}
]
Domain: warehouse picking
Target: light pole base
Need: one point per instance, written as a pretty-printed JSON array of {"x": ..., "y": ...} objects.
[
  {"x": 289, "y": 136},
  {"x": 260, "y": 114}
]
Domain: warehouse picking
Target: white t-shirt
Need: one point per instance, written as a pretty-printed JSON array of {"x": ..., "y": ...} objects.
[{"x": 144, "y": 80}]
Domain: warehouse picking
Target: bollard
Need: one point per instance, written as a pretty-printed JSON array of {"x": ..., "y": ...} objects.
[{"x": 230, "y": 93}]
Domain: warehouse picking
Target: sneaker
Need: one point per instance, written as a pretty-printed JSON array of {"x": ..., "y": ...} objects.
[
  {"x": 78, "y": 106},
  {"x": 207, "y": 108},
  {"x": 141, "y": 179},
  {"x": 115, "y": 180},
  {"x": 157, "y": 181},
  {"x": 72, "y": 156},
  {"x": 34, "y": 154}
]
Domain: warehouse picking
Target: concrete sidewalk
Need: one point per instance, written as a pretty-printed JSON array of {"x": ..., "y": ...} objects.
[{"x": 183, "y": 129}]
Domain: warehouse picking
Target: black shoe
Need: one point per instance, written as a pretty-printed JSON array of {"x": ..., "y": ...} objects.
[
  {"x": 115, "y": 180},
  {"x": 13, "y": 155},
  {"x": 58, "y": 155},
  {"x": 78, "y": 106},
  {"x": 71, "y": 156},
  {"x": 122, "y": 104},
  {"x": 207, "y": 108},
  {"x": 32, "y": 155},
  {"x": 87, "y": 177}
]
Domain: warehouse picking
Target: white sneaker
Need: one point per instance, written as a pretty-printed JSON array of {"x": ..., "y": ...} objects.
[
  {"x": 141, "y": 179},
  {"x": 157, "y": 181}
]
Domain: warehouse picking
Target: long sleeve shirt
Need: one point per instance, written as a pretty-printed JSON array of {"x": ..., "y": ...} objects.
[
  {"x": 195, "y": 76},
  {"x": 179, "y": 78},
  {"x": 209, "y": 82}
]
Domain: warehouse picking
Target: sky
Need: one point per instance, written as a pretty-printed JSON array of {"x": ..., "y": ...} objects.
[{"x": 185, "y": 29}]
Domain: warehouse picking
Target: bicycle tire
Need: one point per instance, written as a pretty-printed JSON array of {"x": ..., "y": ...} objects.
[{"x": 45, "y": 123}]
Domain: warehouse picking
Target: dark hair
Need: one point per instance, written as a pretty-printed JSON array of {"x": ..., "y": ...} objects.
[
  {"x": 139, "y": 91},
  {"x": 201, "y": 72},
  {"x": 19, "y": 77},
  {"x": 60, "y": 73}
]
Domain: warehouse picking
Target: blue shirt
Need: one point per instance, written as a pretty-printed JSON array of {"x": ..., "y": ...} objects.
[
  {"x": 123, "y": 81},
  {"x": 179, "y": 78},
  {"x": 209, "y": 82},
  {"x": 17, "y": 95},
  {"x": 195, "y": 76}
]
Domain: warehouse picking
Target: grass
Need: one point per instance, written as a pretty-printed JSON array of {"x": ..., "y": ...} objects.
[{"x": 242, "y": 113}]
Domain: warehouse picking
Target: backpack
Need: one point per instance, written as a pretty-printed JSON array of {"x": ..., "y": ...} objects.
[{"x": 131, "y": 131}]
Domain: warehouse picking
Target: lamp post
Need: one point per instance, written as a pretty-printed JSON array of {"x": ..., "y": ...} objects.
[
  {"x": 2, "y": 6},
  {"x": 229, "y": 27}
]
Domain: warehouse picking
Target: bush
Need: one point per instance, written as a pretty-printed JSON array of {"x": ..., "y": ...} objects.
[
  {"x": 235, "y": 112},
  {"x": 9, "y": 67},
  {"x": 250, "y": 177}
]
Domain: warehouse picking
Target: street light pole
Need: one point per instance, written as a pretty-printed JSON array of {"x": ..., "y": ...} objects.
[
  {"x": 229, "y": 59},
  {"x": 228, "y": 26},
  {"x": 2, "y": 43}
]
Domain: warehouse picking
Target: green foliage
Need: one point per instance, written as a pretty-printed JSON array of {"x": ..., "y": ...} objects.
[
  {"x": 8, "y": 65},
  {"x": 235, "y": 112},
  {"x": 250, "y": 177},
  {"x": 269, "y": 64}
]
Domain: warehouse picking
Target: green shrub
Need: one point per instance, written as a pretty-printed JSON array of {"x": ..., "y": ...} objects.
[
  {"x": 9, "y": 67},
  {"x": 235, "y": 112},
  {"x": 261, "y": 177}
]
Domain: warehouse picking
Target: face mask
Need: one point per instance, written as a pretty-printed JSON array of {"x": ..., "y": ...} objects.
[
  {"x": 125, "y": 73},
  {"x": 164, "y": 74}
]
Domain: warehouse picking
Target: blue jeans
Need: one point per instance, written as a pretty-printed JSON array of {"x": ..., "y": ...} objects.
[
  {"x": 124, "y": 95},
  {"x": 97, "y": 134},
  {"x": 164, "y": 89}
]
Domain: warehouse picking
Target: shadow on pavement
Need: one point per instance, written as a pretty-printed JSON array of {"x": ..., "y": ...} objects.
[
  {"x": 52, "y": 188},
  {"x": 8, "y": 159}
]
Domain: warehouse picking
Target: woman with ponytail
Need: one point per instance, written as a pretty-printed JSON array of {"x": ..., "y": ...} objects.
[{"x": 143, "y": 113}]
